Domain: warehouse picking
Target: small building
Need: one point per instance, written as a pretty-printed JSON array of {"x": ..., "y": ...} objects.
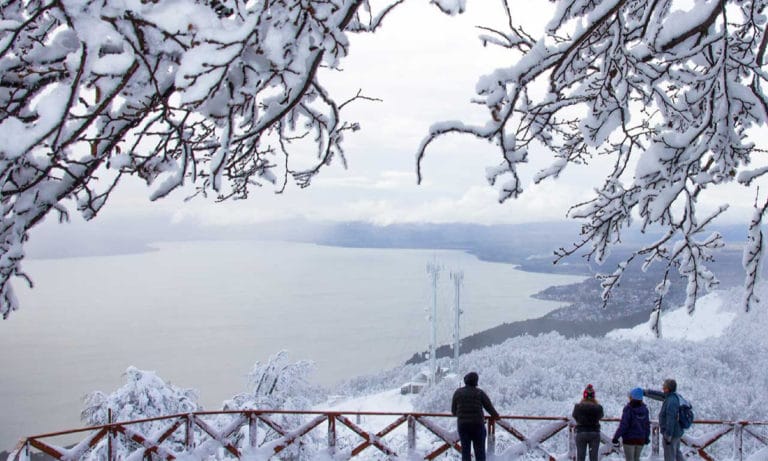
[{"x": 421, "y": 380}]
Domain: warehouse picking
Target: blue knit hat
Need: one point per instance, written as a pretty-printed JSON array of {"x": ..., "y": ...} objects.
[{"x": 636, "y": 393}]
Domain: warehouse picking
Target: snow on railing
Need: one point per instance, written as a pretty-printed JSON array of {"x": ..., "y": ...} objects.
[{"x": 261, "y": 434}]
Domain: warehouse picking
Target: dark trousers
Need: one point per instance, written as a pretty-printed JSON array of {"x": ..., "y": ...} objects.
[
  {"x": 672, "y": 449},
  {"x": 472, "y": 434},
  {"x": 584, "y": 440}
]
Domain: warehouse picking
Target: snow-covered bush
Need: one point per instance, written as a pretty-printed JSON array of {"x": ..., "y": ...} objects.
[
  {"x": 144, "y": 395},
  {"x": 278, "y": 384}
]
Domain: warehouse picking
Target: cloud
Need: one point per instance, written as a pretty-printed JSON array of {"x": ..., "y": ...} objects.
[
  {"x": 478, "y": 204},
  {"x": 386, "y": 180}
]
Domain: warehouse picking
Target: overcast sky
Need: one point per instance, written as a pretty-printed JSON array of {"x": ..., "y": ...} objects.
[{"x": 423, "y": 65}]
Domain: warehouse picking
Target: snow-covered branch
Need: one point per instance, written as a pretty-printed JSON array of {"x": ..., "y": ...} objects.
[
  {"x": 217, "y": 94},
  {"x": 671, "y": 94}
]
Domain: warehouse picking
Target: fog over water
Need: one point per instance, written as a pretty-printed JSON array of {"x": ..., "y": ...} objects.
[{"x": 201, "y": 314}]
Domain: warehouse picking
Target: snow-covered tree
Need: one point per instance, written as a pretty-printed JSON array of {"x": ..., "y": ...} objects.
[
  {"x": 144, "y": 395},
  {"x": 224, "y": 95},
  {"x": 278, "y": 384}
]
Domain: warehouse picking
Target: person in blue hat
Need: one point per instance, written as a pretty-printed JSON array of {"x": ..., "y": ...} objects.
[{"x": 635, "y": 427}]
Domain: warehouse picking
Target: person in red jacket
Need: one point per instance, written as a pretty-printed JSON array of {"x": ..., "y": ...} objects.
[{"x": 467, "y": 405}]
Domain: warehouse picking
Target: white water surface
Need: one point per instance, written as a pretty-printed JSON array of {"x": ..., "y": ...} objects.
[{"x": 201, "y": 314}]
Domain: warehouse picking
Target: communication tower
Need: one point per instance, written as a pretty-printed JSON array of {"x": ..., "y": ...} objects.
[
  {"x": 433, "y": 270},
  {"x": 458, "y": 280}
]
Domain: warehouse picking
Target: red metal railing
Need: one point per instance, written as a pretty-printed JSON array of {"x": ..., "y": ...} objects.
[{"x": 237, "y": 433}]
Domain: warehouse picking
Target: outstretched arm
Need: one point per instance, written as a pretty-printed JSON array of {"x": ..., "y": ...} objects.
[{"x": 654, "y": 394}]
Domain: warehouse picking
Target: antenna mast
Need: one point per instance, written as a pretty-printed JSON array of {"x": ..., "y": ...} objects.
[
  {"x": 433, "y": 269},
  {"x": 458, "y": 279}
]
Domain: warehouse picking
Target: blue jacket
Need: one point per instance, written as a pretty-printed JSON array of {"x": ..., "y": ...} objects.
[
  {"x": 669, "y": 426},
  {"x": 635, "y": 425}
]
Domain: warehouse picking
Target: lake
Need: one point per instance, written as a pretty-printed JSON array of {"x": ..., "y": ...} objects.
[{"x": 201, "y": 314}]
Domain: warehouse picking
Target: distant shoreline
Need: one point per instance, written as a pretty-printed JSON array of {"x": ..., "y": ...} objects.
[
  {"x": 540, "y": 325},
  {"x": 142, "y": 247},
  {"x": 92, "y": 253},
  {"x": 533, "y": 327}
]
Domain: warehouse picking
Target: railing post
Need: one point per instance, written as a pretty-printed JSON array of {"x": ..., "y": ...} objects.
[
  {"x": 411, "y": 433},
  {"x": 491, "y": 449},
  {"x": 23, "y": 454},
  {"x": 655, "y": 439},
  {"x": 571, "y": 441},
  {"x": 110, "y": 437},
  {"x": 331, "y": 433},
  {"x": 738, "y": 441},
  {"x": 188, "y": 432},
  {"x": 253, "y": 425}
]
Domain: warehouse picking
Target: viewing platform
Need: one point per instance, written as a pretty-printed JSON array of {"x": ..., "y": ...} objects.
[{"x": 265, "y": 434}]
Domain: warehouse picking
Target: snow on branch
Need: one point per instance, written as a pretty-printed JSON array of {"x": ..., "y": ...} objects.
[
  {"x": 212, "y": 94},
  {"x": 669, "y": 94},
  {"x": 753, "y": 255}
]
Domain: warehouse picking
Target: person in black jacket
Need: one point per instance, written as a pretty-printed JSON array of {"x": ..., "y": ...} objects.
[
  {"x": 467, "y": 405},
  {"x": 587, "y": 414}
]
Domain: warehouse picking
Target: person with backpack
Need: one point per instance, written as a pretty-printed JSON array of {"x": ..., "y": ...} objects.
[
  {"x": 467, "y": 405},
  {"x": 587, "y": 414},
  {"x": 669, "y": 419},
  {"x": 635, "y": 426}
]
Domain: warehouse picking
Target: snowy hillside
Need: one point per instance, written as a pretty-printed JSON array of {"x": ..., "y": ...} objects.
[
  {"x": 717, "y": 341},
  {"x": 713, "y": 315}
]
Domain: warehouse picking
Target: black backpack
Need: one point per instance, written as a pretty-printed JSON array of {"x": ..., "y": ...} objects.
[{"x": 684, "y": 413}]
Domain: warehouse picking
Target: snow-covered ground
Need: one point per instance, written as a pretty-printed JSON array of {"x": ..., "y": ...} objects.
[
  {"x": 713, "y": 315},
  {"x": 389, "y": 401}
]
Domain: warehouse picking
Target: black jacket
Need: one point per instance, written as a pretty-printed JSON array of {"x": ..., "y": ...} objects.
[
  {"x": 468, "y": 403},
  {"x": 587, "y": 416}
]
